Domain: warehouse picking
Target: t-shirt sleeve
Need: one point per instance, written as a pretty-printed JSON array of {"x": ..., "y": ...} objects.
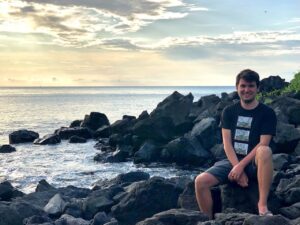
[
  {"x": 269, "y": 123},
  {"x": 226, "y": 118}
]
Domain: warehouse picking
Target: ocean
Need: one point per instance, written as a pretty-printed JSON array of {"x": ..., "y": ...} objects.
[{"x": 45, "y": 109}]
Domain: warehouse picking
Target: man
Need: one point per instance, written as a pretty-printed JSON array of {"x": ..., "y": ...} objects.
[{"x": 247, "y": 130}]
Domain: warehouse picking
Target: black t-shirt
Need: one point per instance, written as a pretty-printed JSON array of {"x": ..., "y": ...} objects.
[{"x": 247, "y": 125}]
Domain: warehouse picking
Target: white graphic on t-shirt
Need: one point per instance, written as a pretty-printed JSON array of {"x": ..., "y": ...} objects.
[
  {"x": 240, "y": 148},
  {"x": 242, "y": 135},
  {"x": 244, "y": 122}
]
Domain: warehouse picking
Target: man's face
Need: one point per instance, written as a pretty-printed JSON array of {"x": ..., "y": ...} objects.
[{"x": 247, "y": 91}]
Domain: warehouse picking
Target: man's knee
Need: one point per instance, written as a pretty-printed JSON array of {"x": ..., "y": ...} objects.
[
  {"x": 263, "y": 153},
  {"x": 204, "y": 181}
]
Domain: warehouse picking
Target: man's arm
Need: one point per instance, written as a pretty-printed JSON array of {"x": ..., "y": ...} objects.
[{"x": 229, "y": 150}]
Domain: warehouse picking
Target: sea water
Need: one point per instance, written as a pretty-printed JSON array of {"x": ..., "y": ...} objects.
[{"x": 45, "y": 109}]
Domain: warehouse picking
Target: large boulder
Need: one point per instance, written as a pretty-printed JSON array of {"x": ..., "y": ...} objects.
[
  {"x": 67, "y": 132},
  {"x": 7, "y": 149},
  {"x": 286, "y": 139},
  {"x": 266, "y": 220},
  {"x": 148, "y": 152},
  {"x": 94, "y": 121},
  {"x": 49, "y": 139},
  {"x": 77, "y": 139},
  {"x": 8, "y": 192},
  {"x": 207, "y": 132},
  {"x": 185, "y": 150},
  {"x": 124, "y": 125},
  {"x": 156, "y": 128},
  {"x": 287, "y": 109},
  {"x": 55, "y": 206},
  {"x": 288, "y": 190},
  {"x": 22, "y": 136},
  {"x": 176, "y": 107},
  {"x": 146, "y": 199},
  {"x": 272, "y": 83},
  {"x": 291, "y": 212},
  {"x": 70, "y": 220},
  {"x": 176, "y": 216}
]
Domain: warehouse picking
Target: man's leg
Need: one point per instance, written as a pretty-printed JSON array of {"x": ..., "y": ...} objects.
[
  {"x": 264, "y": 163},
  {"x": 203, "y": 183}
]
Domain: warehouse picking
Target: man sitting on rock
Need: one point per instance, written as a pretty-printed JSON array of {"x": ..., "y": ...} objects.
[{"x": 247, "y": 130}]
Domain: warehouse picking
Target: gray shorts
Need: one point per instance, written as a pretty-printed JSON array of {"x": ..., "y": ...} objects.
[{"x": 221, "y": 169}]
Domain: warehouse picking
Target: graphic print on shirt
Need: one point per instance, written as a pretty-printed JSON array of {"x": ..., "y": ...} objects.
[{"x": 241, "y": 137}]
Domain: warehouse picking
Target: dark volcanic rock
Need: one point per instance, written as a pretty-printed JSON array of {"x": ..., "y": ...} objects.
[
  {"x": 67, "y": 132},
  {"x": 175, "y": 216},
  {"x": 76, "y": 139},
  {"x": 286, "y": 139},
  {"x": 272, "y": 83},
  {"x": 103, "y": 132},
  {"x": 55, "y": 206},
  {"x": 49, "y": 139},
  {"x": 6, "y": 191},
  {"x": 70, "y": 220},
  {"x": 22, "y": 136},
  {"x": 76, "y": 123},
  {"x": 7, "y": 149},
  {"x": 149, "y": 152},
  {"x": 94, "y": 121},
  {"x": 291, "y": 212},
  {"x": 34, "y": 220},
  {"x": 185, "y": 150},
  {"x": 143, "y": 115},
  {"x": 288, "y": 190},
  {"x": 266, "y": 220},
  {"x": 231, "y": 218},
  {"x": 146, "y": 199},
  {"x": 280, "y": 161},
  {"x": 124, "y": 125}
]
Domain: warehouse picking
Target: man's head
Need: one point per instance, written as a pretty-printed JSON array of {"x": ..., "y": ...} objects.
[{"x": 247, "y": 83}]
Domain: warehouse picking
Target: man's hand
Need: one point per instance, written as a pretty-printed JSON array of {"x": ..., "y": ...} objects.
[
  {"x": 236, "y": 172},
  {"x": 243, "y": 181}
]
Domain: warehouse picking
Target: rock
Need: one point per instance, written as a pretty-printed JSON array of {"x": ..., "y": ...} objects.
[
  {"x": 9, "y": 216},
  {"x": 122, "y": 179},
  {"x": 280, "y": 161},
  {"x": 94, "y": 121},
  {"x": 297, "y": 149},
  {"x": 218, "y": 152},
  {"x": 269, "y": 220},
  {"x": 43, "y": 185},
  {"x": 123, "y": 126},
  {"x": 76, "y": 123},
  {"x": 76, "y": 139},
  {"x": 99, "y": 200},
  {"x": 296, "y": 221},
  {"x": 55, "y": 206},
  {"x": 146, "y": 199},
  {"x": 49, "y": 139},
  {"x": 101, "y": 218},
  {"x": 7, "y": 149},
  {"x": 22, "y": 136},
  {"x": 103, "y": 132},
  {"x": 287, "y": 109},
  {"x": 291, "y": 212},
  {"x": 207, "y": 132},
  {"x": 25, "y": 210},
  {"x": 288, "y": 190},
  {"x": 176, "y": 107},
  {"x": 6, "y": 191},
  {"x": 115, "y": 139},
  {"x": 185, "y": 150},
  {"x": 74, "y": 208},
  {"x": 143, "y": 115},
  {"x": 34, "y": 220},
  {"x": 67, "y": 132},
  {"x": 286, "y": 139},
  {"x": 231, "y": 218},
  {"x": 175, "y": 216},
  {"x": 272, "y": 83},
  {"x": 70, "y": 220},
  {"x": 156, "y": 128},
  {"x": 149, "y": 152}
]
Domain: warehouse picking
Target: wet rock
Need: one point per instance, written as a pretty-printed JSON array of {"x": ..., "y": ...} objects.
[
  {"x": 103, "y": 132},
  {"x": 77, "y": 139},
  {"x": 6, "y": 191},
  {"x": 22, "y": 136},
  {"x": 94, "y": 121},
  {"x": 175, "y": 216},
  {"x": 43, "y": 185},
  {"x": 7, "y": 149},
  {"x": 67, "y": 132},
  {"x": 146, "y": 199},
  {"x": 49, "y": 139}
]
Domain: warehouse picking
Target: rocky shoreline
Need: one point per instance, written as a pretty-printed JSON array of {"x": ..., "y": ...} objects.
[{"x": 178, "y": 131}]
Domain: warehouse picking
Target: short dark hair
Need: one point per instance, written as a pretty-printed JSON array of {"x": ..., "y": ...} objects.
[{"x": 247, "y": 75}]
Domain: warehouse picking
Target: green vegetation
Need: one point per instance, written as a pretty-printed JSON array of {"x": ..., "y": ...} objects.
[{"x": 293, "y": 86}]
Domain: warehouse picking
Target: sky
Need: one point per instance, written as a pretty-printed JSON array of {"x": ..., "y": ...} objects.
[{"x": 146, "y": 42}]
